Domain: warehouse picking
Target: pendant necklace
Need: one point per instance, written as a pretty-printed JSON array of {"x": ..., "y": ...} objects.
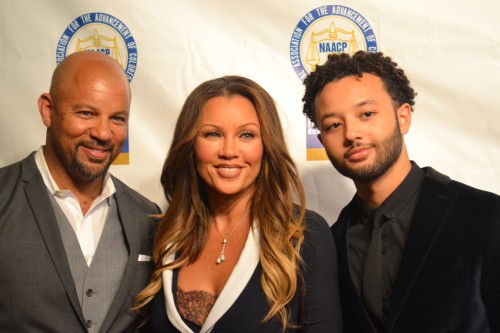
[{"x": 221, "y": 258}]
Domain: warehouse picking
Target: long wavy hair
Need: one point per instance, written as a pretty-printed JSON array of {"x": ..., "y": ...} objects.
[{"x": 184, "y": 227}]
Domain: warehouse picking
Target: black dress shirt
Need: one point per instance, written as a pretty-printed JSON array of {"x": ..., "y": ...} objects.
[{"x": 398, "y": 211}]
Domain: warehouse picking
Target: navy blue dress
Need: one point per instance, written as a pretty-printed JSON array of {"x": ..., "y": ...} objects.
[{"x": 320, "y": 302}]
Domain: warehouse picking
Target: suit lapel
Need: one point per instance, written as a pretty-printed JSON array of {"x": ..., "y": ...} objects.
[
  {"x": 128, "y": 220},
  {"x": 432, "y": 208},
  {"x": 37, "y": 196},
  {"x": 348, "y": 289}
]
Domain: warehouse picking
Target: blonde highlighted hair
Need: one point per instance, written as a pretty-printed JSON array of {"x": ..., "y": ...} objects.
[{"x": 184, "y": 227}]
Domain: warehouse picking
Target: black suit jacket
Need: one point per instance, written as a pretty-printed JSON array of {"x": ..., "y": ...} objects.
[
  {"x": 37, "y": 292},
  {"x": 449, "y": 275}
]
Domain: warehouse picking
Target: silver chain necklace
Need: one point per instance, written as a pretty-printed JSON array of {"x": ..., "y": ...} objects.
[{"x": 222, "y": 257}]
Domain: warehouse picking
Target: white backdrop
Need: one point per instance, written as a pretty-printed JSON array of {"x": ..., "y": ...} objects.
[{"x": 450, "y": 50}]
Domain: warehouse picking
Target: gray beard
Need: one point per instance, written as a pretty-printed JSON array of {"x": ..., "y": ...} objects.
[{"x": 91, "y": 173}]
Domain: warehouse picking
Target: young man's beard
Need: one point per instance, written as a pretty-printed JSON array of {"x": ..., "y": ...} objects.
[{"x": 388, "y": 151}]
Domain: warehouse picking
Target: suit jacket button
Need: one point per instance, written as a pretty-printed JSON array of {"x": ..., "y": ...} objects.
[
  {"x": 89, "y": 292},
  {"x": 88, "y": 324}
]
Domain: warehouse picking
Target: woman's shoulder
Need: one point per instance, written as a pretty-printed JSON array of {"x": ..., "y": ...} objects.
[
  {"x": 316, "y": 230},
  {"x": 314, "y": 221},
  {"x": 318, "y": 248}
]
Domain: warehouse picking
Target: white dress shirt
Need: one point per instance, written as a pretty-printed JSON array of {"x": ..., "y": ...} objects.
[{"x": 88, "y": 228}]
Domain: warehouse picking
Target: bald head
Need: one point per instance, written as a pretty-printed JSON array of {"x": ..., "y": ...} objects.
[
  {"x": 85, "y": 64},
  {"x": 86, "y": 114}
]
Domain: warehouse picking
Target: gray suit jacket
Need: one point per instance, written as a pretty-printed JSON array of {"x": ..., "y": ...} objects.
[{"x": 37, "y": 292}]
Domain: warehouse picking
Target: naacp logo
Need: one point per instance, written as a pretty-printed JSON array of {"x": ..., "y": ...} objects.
[
  {"x": 325, "y": 30},
  {"x": 103, "y": 33}
]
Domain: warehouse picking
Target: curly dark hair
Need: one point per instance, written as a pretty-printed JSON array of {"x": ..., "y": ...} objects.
[{"x": 341, "y": 65}]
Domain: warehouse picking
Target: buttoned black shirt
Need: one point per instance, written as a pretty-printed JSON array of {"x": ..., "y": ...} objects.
[{"x": 398, "y": 211}]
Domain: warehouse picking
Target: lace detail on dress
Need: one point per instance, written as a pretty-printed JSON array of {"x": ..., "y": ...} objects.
[{"x": 194, "y": 305}]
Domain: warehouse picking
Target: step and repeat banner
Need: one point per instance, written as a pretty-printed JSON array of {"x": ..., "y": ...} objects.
[{"x": 450, "y": 51}]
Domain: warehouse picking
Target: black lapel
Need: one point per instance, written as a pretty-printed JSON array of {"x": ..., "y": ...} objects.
[
  {"x": 433, "y": 206},
  {"x": 37, "y": 195}
]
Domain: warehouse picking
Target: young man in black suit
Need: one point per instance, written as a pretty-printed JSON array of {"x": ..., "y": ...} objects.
[{"x": 418, "y": 252}]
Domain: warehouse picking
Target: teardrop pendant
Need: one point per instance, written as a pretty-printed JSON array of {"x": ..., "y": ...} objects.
[{"x": 221, "y": 258}]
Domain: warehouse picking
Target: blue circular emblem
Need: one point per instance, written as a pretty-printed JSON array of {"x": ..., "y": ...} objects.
[
  {"x": 102, "y": 33},
  {"x": 325, "y": 30}
]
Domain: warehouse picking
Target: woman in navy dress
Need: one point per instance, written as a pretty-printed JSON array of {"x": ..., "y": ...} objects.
[{"x": 236, "y": 251}]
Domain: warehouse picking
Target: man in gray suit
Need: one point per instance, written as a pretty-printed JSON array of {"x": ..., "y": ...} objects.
[{"x": 74, "y": 240}]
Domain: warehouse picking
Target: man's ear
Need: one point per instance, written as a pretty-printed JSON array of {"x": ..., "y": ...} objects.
[
  {"x": 320, "y": 138},
  {"x": 403, "y": 114},
  {"x": 46, "y": 109}
]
